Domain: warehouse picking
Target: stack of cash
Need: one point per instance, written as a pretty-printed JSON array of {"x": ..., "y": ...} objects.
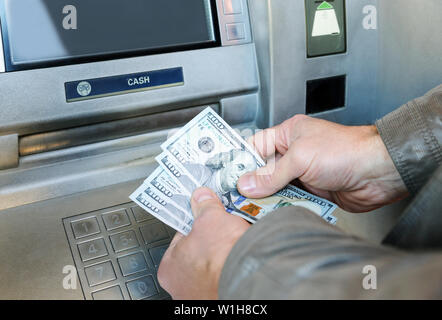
[{"x": 208, "y": 152}]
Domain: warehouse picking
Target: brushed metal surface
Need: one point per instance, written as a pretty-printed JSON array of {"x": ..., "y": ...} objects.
[
  {"x": 34, "y": 101},
  {"x": 111, "y": 130},
  {"x": 8, "y": 151}
]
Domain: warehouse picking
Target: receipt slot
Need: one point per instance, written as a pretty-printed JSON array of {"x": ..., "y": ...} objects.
[{"x": 325, "y": 25}]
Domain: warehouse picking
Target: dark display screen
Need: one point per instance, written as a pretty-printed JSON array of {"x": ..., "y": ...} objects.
[{"x": 46, "y": 32}]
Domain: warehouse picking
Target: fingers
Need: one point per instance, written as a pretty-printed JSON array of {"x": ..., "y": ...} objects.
[
  {"x": 268, "y": 142},
  {"x": 205, "y": 200},
  {"x": 269, "y": 179}
]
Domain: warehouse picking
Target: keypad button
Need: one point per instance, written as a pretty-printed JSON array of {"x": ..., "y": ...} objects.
[
  {"x": 124, "y": 241},
  {"x": 154, "y": 232},
  {"x": 116, "y": 219},
  {"x": 100, "y": 273},
  {"x": 232, "y": 6},
  {"x": 92, "y": 249},
  {"x": 133, "y": 263},
  {"x": 85, "y": 227},
  {"x": 157, "y": 254},
  {"x": 112, "y": 293},
  {"x": 235, "y": 31},
  {"x": 140, "y": 215},
  {"x": 142, "y": 288}
]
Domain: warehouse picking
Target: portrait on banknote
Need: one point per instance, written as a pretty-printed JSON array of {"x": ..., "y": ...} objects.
[{"x": 222, "y": 171}]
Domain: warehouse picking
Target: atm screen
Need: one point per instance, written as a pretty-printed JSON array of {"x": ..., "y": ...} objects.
[{"x": 46, "y": 32}]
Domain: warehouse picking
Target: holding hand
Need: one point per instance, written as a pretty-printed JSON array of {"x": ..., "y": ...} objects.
[
  {"x": 347, "y": 165},
  {"x": 192, "y": 265}
]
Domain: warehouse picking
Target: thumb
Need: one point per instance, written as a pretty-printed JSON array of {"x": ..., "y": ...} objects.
[
  {"x": 270, "y": 179},
  {"x": 204, "y": 200}
]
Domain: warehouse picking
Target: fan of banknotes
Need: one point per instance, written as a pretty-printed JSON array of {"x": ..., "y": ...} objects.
[{"x": 208, "y": 152}]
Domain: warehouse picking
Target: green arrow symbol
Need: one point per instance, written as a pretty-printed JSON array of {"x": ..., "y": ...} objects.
[{"x": 325, "y": 6}]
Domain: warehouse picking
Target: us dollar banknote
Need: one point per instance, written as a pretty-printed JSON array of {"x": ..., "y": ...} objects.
[
  {"x": 208, "y": 152},
  {"x": 170, "y": 189},
  {"x": 150, "y": 199},
  {"x": 254, "y": 209}
]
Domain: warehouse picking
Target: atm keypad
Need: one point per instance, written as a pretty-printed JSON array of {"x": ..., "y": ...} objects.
[
  {"x": 154, "y": 232},
  {"x": 133, "y": 263},
  {"x": 100, "y": 273},
  {"x": 140, "y": 215},
  {"x": 86, "y": 227},
  {"x": 157, "y": 254},
  {"x": 124, "y": 241},
  {"x": 142, "y": 288},
  {"x": 117, "y": 252},
  {"x": 115, "y": 220},
  {"x": 112, "y": 293},
  {"x": 92, "y": 249}
]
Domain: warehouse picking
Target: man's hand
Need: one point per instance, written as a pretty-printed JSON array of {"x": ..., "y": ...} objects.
[
  {"x": 191, "y": 267},
  {"x": 347, "y": 165}
]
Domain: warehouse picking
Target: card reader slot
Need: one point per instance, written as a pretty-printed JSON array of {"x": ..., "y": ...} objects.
[{"x": 84, "y": 135}]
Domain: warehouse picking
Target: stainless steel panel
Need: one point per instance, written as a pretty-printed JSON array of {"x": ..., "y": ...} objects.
[
  {"x": 50, "y": 141},
  {"x": 34, "y": 101},
  {"x": 9, "y": 151},
  {"x": 410, "y": 51}
]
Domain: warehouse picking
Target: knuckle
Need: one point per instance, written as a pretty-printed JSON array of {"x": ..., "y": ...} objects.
[
  {"x": 296, "y": 121},
  {"x": 299, "y": 117},
  {"x": 266, "y": 179}
]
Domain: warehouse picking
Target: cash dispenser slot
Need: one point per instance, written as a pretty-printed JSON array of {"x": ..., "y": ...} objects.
[{"x": 90, "y": 134}]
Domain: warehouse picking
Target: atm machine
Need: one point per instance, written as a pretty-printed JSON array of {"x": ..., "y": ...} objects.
[{"x": 90, "y": 89}]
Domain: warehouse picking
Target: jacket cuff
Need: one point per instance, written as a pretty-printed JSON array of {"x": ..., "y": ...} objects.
[{"x": 412, "y": 135}]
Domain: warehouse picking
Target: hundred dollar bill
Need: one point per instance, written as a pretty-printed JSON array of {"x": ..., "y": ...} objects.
[
  {"x": 254, "y": 209},
  {"x": 170, "y": 190},
  {"x": 176, "y": 171},
  {"x": 331, "y": 219},
  {"x": 208, "y": 152},
  {"x": 152, "y": 202}
]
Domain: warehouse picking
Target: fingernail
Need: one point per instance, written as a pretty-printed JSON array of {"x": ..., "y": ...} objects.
[
  {"x": 201, "y": 195},
  {"x": 247, "y": 183}
]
